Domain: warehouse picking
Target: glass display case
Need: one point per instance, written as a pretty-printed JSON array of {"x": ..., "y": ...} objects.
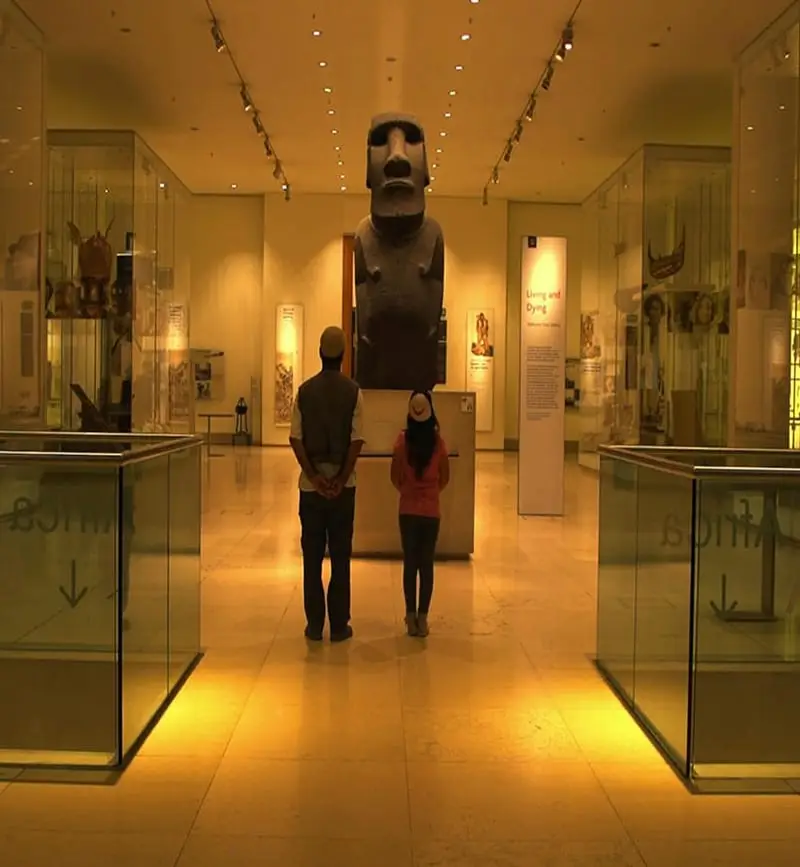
[
  {"x": 21, "y": 219},
  {"x": 117, "y": 287},
  {"x": 697, "y": 606},
  {"x": 766, "y": 389},
  {"x": 655, "y": 292}
]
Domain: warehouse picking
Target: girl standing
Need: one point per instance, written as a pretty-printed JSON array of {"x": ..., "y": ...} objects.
[{"x": 420, "y": 471}]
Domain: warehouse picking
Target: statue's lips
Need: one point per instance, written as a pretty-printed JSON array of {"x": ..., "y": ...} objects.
[{"x": 398, "y": 184}]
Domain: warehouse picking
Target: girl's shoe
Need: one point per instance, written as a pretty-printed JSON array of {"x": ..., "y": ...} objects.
[
  {"x": 422, "y": 626},
  {"x": 411, "y": 625}
]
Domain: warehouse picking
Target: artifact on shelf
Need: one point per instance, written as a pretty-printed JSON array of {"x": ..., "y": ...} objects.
[
  {"x": 95, "y": 260},
  {"x": 668, "y": 265},
  {"x": 399, "y": 263}
]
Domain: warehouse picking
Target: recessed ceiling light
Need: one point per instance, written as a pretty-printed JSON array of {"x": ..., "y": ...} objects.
[
  {"x": 341, "y": 162},
  {"x": 161, "y": 185},
  {"x": 781, "y": 108},
  {"x": 343, "y": 188},
  {"x": 341, "y": 177},
  {"x": 338, "y": 147},
  {"x": 30, "y": 183},
  {"x": 323, "y": 63},
  {"x": 435, "y": 166},
  {"x": 442, "y": 133},
  {"x": 19, "y": 108},
  {"x": 4, "y": 140},
  {"x": 11, "y": 171},
  {"x": 448, "y": 114},
  {"x": 335, "y": 131},
  {"x": 331, "y": 111},
  {"x": 474, "y": 2},
  {"x": 234, "y": 186},
  {"x": 432, "y": 178},
  {"x": 459, "y": 67},
  {"x": 750, "y": 127},
  {"x": 465, "y": 37},
  {"x": 327, "y": 90},
  {"x": 316, "y": 33},
  {"x": 451, "y": 93},
  {"x": 438, "y": 150}
]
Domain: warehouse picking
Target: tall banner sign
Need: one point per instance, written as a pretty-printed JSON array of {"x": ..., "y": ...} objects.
[
  {"x": 480, "y": 365},
  {"x": 540, "y": 474},
  {"x": 288, "y": 360}
]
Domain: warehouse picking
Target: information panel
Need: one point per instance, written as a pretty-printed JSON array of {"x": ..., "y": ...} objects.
[
  {"x": 288, "y": 372},
  {"x": 480, "y": 365},
  {"x": 540, "y": 475}
]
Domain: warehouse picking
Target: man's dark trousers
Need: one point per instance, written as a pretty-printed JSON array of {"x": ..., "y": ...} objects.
[{"x": 327, "y": 522}]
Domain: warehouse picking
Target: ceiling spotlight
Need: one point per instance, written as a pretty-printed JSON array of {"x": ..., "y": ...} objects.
[
  {"x": 30, "y": 183},
  {"x": 316, "y": 33},
  {"x": 509, "y": 150},
  {"x": 448, "y": 114},
  {"x": 161, "y": 185},
  {"x": 341, "y": 162},
  {"x": 518, "y": 131},
  {"x": 337, "y": 147},
  {"x": 246, "y": 101},
  {"x": 278, "y": 170},
  {"x": 750, "y": 127},
  {"x": 442, "y": 133},
  {"x": 219, "y": 39},
  {"x": 268, "y": 148},
  {"x": 495, "y": 175},
  {"x": 327, "y": 90},
  {"x": 561, "y": 54},
  {"x": 781, "y": 108},
  {"x": 341, "y": 177},
  {"x": 438, "y": 150},
  {"x": 331, "y": 111},
  {"x": 435, "y": 166},
  {"x": 531, "y": 109},
  {"x": 323, "y": 63},
  {"x": 567, "y": 38},
  {"x": 465, "y": 37},
  {"x": 258, "y": 126},
  {"x": 451, "y": 93},
  {"x": 432, "y": 178},
  {"x": 459, "y": 67},
  {"x": 287, "y": 192},
  {"x": 485, "y": 199},
  {"x": 234, "y": 186},
  {"x": 343, "y": 188},
  {"x": 548, "y": 77},
  {"x": 335, "y": 132}
]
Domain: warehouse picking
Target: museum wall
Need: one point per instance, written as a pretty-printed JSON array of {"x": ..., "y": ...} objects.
[
  {"x": 226, "y": 300},
  {"x": 303, "y": 266},
  {"x": 528, "y": 218}
]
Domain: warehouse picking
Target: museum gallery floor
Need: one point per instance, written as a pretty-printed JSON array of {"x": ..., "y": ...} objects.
[{"x": 495, "y": 744}]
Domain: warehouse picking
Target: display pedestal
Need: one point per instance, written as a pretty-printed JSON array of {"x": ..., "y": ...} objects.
[{"x": 376, "y": 532}]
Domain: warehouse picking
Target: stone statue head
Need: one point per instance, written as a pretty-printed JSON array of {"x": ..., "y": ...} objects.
[{"x": 397, "y": 166}]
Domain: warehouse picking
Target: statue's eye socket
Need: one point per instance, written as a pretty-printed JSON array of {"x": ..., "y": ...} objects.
[
  {"x": 379, "y": 138},
  {"x": 413, "y": 135}
]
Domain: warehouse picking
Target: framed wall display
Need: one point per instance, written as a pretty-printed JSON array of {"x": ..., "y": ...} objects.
[
  {"x": 540, "y": 477},
  {"x": 288, "y": 360},
  {"x": 441, "y": 364},
  {"x": 480, "y": 365},
  {"x": 208, "y": 373}
]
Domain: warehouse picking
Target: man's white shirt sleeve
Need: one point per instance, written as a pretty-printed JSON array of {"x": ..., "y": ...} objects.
[{"x": 296, "y": 430}]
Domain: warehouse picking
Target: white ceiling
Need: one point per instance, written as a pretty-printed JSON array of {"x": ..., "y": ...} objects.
[{"x": 615, "y": 92}]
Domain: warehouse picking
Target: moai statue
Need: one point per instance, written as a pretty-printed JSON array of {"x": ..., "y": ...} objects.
[{"x": 399, "y": 263}]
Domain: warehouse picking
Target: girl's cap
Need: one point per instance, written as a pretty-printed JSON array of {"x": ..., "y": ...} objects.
[{"x": 419, "y": 408}]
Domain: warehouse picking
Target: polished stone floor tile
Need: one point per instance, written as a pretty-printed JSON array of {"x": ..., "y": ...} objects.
[
  {"x": 564, "y": 853},
  {"x": 93, "y": 849},
  {"x": 206, "y": 850},
  {"x": 704, "y": 853},
  {"x": 322, "y": 799}
]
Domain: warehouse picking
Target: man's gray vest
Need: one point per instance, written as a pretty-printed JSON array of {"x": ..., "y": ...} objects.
[{"x": 327, "y": 402}]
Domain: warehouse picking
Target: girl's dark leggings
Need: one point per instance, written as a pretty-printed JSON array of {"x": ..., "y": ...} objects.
[{"x": 418, "y": 535}]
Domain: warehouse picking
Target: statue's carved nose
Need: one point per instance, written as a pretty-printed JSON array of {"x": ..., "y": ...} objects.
[{"x": 397, "y": 166}]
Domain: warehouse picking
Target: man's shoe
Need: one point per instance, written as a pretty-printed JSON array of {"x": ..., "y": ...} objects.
[
  {"x": 313, "y": 634},
  {"x": 343, "y": 635}
]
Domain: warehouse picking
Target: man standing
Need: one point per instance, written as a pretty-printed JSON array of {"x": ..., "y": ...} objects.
[{"x": 326, "y": 437}]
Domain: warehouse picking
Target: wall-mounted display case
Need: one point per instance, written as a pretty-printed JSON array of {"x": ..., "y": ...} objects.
[
  {"x": 766, "y": 363},
  {"x": 21, "y": 219},
  {"x": 655, "y": 302},
  {"x": 117, "y": 286}
]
